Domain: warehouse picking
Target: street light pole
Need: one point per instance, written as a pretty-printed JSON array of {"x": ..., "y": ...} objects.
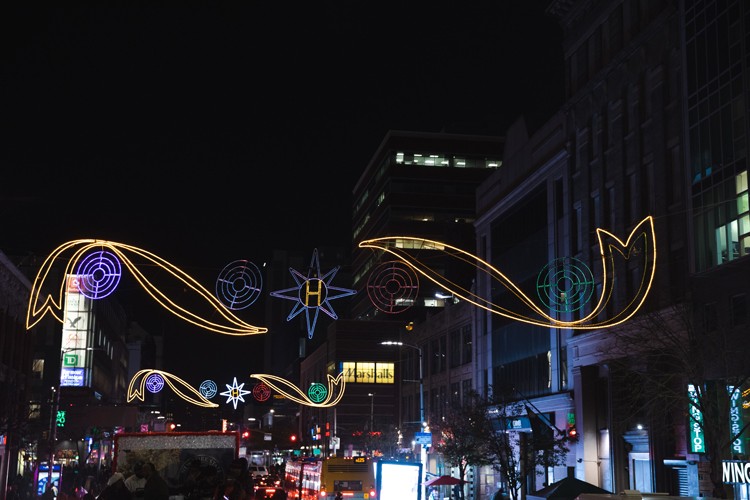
[
  {"x": 422, "y": 423},
  {"x": 421, "y": 376},
  {"x": 56, "y": 408},
  {"x": 372, "y": 411}
]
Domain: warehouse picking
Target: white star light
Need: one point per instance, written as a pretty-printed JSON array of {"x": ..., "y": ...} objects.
[{"x": 235, "y": 392}]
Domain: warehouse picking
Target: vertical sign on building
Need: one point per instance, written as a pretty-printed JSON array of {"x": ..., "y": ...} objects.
[
  {"x": 736, "y": 421},
  {"x": 73, "y": 355},
  {"x": 697, "y": 440}
]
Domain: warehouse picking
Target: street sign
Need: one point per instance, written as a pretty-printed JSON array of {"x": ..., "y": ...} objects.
[{"x": 424, "y": 438}]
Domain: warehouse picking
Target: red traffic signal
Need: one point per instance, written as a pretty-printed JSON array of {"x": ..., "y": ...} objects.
[
  {"x": 246, "y": 434},
  {"x": 572, "y": 432},
  {"x": 293, "y": 438}
]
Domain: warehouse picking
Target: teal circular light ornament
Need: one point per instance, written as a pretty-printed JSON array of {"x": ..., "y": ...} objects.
[
  {"x": 317, "y": 392},
  {"x": 565, "y": 285}
]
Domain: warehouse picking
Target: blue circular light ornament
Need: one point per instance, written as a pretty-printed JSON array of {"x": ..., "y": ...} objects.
[
  {"x": 239, "y": 284},
  {"x": 208, "y": 389}
]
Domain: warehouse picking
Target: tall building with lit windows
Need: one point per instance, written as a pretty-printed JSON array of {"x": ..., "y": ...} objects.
[
  {"x": 416, "y": 185},
  {"x": 420, "y": 185},
  {"x": 654, "y": 123}
]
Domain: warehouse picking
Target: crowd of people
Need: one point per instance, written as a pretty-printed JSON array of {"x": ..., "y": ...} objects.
[{"x": 202, "y": 482}]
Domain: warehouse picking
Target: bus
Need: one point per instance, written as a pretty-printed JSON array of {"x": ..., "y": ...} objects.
[{"x": 322, "y": 478}]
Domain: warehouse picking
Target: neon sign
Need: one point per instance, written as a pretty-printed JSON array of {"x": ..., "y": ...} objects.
[
  {"x": 313, "y": 292},
  {"x": 319, "y": 396},
  {"x": 235, "y": 393},
  {"x": 149, "y": 379},
  {"x": 640, "y": 243},
  {"x": 40, "y": 304},
  {"x": 697, "y": 439}
]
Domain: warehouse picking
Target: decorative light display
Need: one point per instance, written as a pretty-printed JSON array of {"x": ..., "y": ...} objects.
[
  {"x": 99, "y": 274},
  {"x": 261, "y": 392},
  {"x": 313, "y": 292},
  {"x": 317, "y": 392},
  {"x": 239, "y": 284},
  {"x": 208, "y": 389},
  {"x": 40, "y": 304},
  {"x": 640, "y": 244},
  {"x": 144, "y": 379},
  {"x": 392, "y": 287},
  {"x": 154, "y": 383},
  {"x": 292, "y": 392},
  {"x": 565, "y": 285},
  {"x": 235, "y": 393}
]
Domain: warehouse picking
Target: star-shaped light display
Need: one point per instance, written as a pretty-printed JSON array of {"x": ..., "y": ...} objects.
[
  {"x": 235, "y": 392},
  {"x": 313, "y": 292}
]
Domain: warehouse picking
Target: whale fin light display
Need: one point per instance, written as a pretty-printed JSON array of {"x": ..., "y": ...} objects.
[
  {"x": 318, "y": 396},
  {"x": 640, "y": 244},
  {"x": 103, "y": 280},
  {"x": 139, "y": 384}
]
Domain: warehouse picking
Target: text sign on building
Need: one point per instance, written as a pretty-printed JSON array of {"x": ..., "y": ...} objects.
[
  {"x": 736, "y": 422},
  {"x": 366, "y": 372},
  {"x": 423, "y": 438},
  {"x": 697, "y": 440},
  {"x": 72, "y": 377},
  {"x": 735, "y": 471}
]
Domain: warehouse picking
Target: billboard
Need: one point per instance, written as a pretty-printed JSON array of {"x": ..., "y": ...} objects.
[
  {"x": 74, "y": 364},
  {"x": 398, "y": 480}
]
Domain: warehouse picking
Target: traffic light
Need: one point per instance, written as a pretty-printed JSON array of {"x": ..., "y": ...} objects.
[
  {"x": 246, "y": 434},
  {"x": 572, "y": 432},
  {"x": 293, "y": 438}
]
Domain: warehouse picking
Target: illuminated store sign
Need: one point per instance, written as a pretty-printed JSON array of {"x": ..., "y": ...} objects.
[
  {"x": 697, "y": 440},
  {"x": 361, "y": 372},
  {"x": 735, "y": 471},
  {"x": 736, "y": 422}
]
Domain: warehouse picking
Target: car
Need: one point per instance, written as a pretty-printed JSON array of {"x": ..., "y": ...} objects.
[{"x": 257, "y": 471}]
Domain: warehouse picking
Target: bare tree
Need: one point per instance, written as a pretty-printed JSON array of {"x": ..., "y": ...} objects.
[
  {"x": 463, "y": 435},
  {"x": 515, "y": 454},
  {"x": 658, "y": 356}
]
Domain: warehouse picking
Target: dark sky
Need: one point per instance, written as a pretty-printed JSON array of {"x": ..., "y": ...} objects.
[{"x": 208, "y": 135}]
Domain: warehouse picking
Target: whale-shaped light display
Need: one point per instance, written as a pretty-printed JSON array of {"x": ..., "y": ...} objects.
[
  {"x": 294, "y": 393},
  {"x": 137, "y": 388},
  {"x": 76, "y": 252},
  {"x": 641, "y": 243}
]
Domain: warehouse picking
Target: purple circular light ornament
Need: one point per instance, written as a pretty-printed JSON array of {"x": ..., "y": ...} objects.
[
  {"x": 154, "y": 383},
  {"x": 99, "y": 274},
  {"x": 392, "y": 287},
  {"x": 239, "y": 284}
]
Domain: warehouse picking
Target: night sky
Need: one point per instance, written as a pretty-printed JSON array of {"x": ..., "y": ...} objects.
[{"x": 207, "y": 135}]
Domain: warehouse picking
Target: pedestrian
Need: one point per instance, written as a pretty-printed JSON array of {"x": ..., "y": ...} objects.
[
  {"x": 190, "y": 487},
  {"x": 136, "y": 481},
  {"x": 156, "y": 487},
  {"x": 115, "y": 489},
  {"x": 49, "y": 492}
]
